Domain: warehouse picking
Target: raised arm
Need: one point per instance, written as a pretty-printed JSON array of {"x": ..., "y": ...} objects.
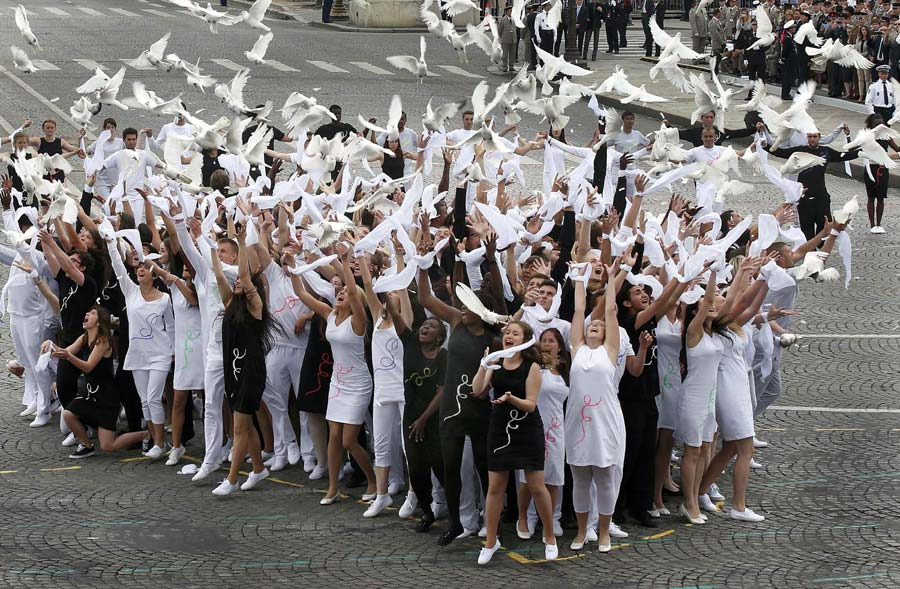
[
  {"x": 122, "y": 276},
  {"x": 695, "y": 328},
  {"x": 63, "y": 261},
  {"x": 251, "y": 296},
  {"x": 221, "y": 280},
  {"x": 365, "y": 271},
  {"x": 434, "y": 305},
  {"x": 358, "y": 317},
  {"x": 611, "y": 314}
]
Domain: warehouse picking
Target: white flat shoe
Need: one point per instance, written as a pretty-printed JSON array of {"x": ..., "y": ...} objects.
[
  {"x": 591, "y": 536},
  {"x": 369, "y": 496},
  {"x": 714, "y": 493},
  {"x": 575, "y": 545},
  {"x": 202, "y": 473},
  {"x": 604, "y": 547},
  {"x": 40, "y": 420},
  {"x": 175, "y": 455},
  {"x": 225, "y": 488},
  {"x": 616, "y": 532},
  {"x": 308, "y": 464},
  {"x": 523, "y": 535},
  {"x": 551, "y": 551},
  {"x": 466, "y": 533},
  {"x": 254, "y": 479},
  {"x": 70, "y": 441},
  {"x": 757, "y": 443},
  {"x": 277, "y": 463},
  {"x": 706, "y": 504},
  {"x": 317, "y": 473},
  {"x": 487, "y": 554},
  {"x": 293, "y": 455},
  {"x": 329, "y": 500},
  {"x": 409, "y": 506},
  {"x": 380, "y": 504},
  {"x": 29, "y": 411},
  {"x": 697, "y": 521},
  {"x": 746, "y": 516},
  {"x": 754, "y": 464}
]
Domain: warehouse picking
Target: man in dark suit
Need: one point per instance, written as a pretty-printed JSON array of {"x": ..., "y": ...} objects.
[
  {"x": 612, "y": 14},
  {"x": 788, "y": 60},
  {"x": 596, "y": 10},
  {"x": 582, "y": 26},
  {"x": 653, "y": 9}
]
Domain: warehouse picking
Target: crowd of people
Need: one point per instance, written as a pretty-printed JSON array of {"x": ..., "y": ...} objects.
[{"x": 416, "y": 325}]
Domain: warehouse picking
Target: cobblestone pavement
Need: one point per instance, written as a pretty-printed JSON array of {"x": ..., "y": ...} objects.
[{"x": 830, "y": 486}]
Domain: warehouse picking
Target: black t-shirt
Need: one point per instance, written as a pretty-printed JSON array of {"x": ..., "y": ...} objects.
[
  {"x": 74, "y": 302},
  {"x": 646, "y": 386},
  {"x": 421, "y": 377}
]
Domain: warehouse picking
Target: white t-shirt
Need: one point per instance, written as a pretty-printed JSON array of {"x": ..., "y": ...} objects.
[{"x": 107, "y": 176}]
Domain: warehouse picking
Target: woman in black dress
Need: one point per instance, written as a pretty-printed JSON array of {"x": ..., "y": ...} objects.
[
  {"x": 246, "y": 339},
  {"x": 97, "y": 405},
  {"x": 52, "y": 145},
  {"x": 516, "y": 434},
  {"x": 877, "y": 178}
]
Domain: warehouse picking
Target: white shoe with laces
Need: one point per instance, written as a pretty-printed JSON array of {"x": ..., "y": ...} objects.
[
  {"x": 616, "y": 532},
  {"x": 757, "y": 443},
  {"x": 225, "y": 488},
  {"x": 156, "y": 452},
  {"x": 394, "y": 487},
  {"x": 308, "y": 464},
  {"x": 714, "y": 493},
  {"x": 70, "y": 441},
  {"x": 293, "y": 455},
  {"x": 277, "y": 463},
  {"x": 755, "y": 464},
  {"x": 591, "y": 536},
  {"x": 409, "y": 505},
  {"x": 254, "y": 479},
  {"x": 746, "y": 516},
  {"x": 29, "y": 411},
  {"x": 318, "y": 472},
  {"x": 380, "y": 503},
  {"x": 487, "y": 554},
  {"x": 551, "y": 551},
  {"x": 706, "y": 504}
]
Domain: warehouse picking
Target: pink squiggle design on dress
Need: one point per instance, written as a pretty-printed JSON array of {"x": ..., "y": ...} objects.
[
  {"x": 289, "y": 303},
  {"x": 588, "y": 402},
  {"x": 336, "y": 377},
  {"x": 549, "y": 438}
]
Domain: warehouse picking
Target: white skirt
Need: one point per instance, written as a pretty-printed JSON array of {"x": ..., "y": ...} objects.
[
  {"x": 734, "y": 411},
  {"x": 346, "y": 406}
]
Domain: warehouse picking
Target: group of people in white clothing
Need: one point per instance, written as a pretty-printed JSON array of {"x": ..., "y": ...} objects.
[{"x": 400, "y": 333}]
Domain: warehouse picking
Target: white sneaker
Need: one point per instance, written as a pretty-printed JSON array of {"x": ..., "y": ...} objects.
[
  {"x": 557, "y": 529},
  {"x": 156, "y": 452},
  {"x": 266, "y": 456},
  {"x": 55, "y": 406},
  {"x": 225, "y": 488},
  {"x": 70, "y": 441},
  {"x": 293, "y": 456},
  {"x": 755, "y": 464},
  {"x": 308, "y": 464},
  {"x": 254, "y": 479},
  {"x": 551, "y": 551},
  {"x": 277, "y": 463},
  {"x": 714, "y": 493},
  {"x": 591, "y": 536},
  {"x": 394, "y": 487},
  {"x": 880, "y": 229},
  {"x": 40, "y": 420},
  {"x": 747, "y": 515},
  {"x": 318, "y": 472},
  {"x": 757, "y": 443},
  {"x": 706, "y": 504},
  {"x": 467, "y": 533},
  {"x": 874, "y": 230},
  {"x": 175, "y": 455},
  {"x": 29, "y": 411},
  {"x": 409, "y": 506},
  {"x": 658, "y": 512},
  {"x": 202, "y": 473},
  {"x": 616, "y": 532},
  {"x": 379, "y": 505},
  {"x": 487, "y": 554},
  {"x": 439, "y": 510},
  {"x": 482, "y": 533}
]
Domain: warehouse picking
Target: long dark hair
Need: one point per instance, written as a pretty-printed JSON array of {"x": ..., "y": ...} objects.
[
  {"x": 104, "y": 329},
  {"x": 718, "y": 326},
  {"x": 528, "y": 354},
  {"x": 564, "y": 363},
  {"x": 238, "y": 316}
]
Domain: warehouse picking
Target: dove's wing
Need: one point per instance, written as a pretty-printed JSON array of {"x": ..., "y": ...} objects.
[
  {"x": 22, "y": 19},
  {"x": 763, "y": 22},
  {"x": 262, "y": 45},
  {"x": 258, "y": 9},
  {"x": 855, "y": 59},
  {"x": 422, "y": 47},
  {"x": 236, "y": 87},
  {"x": 478, "y": 37},
  {"x": 674, "y": 74},
  {"x": 404, "y": 62},
  {"x": 158, "y": 49}
]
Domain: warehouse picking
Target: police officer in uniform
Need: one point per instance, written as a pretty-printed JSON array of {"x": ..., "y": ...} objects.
[{"x": 880, "y": 97}]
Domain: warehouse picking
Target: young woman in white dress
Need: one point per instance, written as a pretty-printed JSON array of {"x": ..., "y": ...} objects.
[
  {"x": 387, "y": 365},
  {"x": 594, "y": 426},
  {"x": 351, "y": 383}
]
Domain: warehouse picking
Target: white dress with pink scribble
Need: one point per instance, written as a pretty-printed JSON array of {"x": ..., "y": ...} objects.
[
  {"x": 595, "y": 428},
  {"x": 554, "y": 392},
  {"x": 351, "y": 381}
]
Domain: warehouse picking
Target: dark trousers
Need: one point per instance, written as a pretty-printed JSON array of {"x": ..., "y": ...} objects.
[
  {"x": 582, "y": 45},
  {"x": 129, "y": 398},
  {"x": 560, "y": 32},
  {"x": 421, "y": 459},
  {"x": 813, "y": 211},
  {"x": 802, "y": 70},
  {"x": 836, "y": 80},
  {"x": 787, "y": 81},
  {"x": 717, "y": 55},
  {"x": 886, "y": 112},
  {"x": 612, "y": 37},
  {"x": 623, "y": 26},
  {"x": 648, "y": 36},
  {"x": 547, "y": 41},
  {"x": 452, "y": 451},
  {"x": 593, "y": 33},
  {"x": 756, "y": 71},
  {"x": 326, "y": 10},
  {"x": 636, "y": 490}
]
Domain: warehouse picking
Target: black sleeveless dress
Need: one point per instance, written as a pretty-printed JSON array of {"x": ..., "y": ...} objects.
[
  {"x": 315, "y": 373},
  {"x": 52, "y": 148},
  {"x": 97, "y": 402},
  {"x": 461, "y": 413},
  {"x": 244, "y": 353},
  {"x": 515, "y": 437},
  {"x": 393, "y": 166}
]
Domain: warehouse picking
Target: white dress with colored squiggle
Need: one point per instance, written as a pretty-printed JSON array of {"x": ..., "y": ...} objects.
[
  {"x": 668, "y": 350},
  {"x": 697, "y": 406},
  {"x": 351, "y": 383},
  {"x": 594, "y": 426},
  {"x": 188, "y": 344},
  {"x": 553, "y": 395}
]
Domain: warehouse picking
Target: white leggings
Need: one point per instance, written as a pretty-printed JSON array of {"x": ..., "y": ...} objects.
[
  {"x": 387, "y": 426},
  {"x": 606, "y": 479},
  {"x": 150, "y": 385}
]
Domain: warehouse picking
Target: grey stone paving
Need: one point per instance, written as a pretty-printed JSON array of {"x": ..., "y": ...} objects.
[{"x": 829, "y": 488}]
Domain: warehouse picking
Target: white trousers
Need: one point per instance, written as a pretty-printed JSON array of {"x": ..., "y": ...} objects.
[
  {"x": 472, "y": 496},
  {"x": 150, "y": 385},
  {"x": 607, "y": 489},
  {"x": 282, "y": 373},
  {"x": 213, "y": 423},
  {"x": 27, "y": 335},
  {"x": 387, "y": 434}
]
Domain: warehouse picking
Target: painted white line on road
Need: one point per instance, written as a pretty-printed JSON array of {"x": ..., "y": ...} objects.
[
  {"x": 89, "y": 11},
  {"x": 123, "y": 12},
  {"x": 280, "y": 66},
  {"x": 141, "y": 68},
  {"x": 56, "y": 11},
  {"x": 44, "y": 65},
  {"x": 90, "y": 64},
  {"x": 324, "y": 65},
  {"x": 833, "y": 409},
  {"x": 6, "y": 126},
  {"x": 43, "y": 100},
  {"x": 371, "y": 68},
  {"x": 459, "y": 71},
  {"x": 227, "y": 63},
  {"x": 850, "y": 336},
  {"x": 158, "y": 13}
]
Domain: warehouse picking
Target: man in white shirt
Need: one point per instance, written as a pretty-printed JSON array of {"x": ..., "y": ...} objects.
[
  {"x": 179, "y": 127},
  {"x": 131, "y": 166},
  {"x": 538, "y": 305},
  {"x": 107, "y": 177},
  {"x": 543, "y": 32},
  {"x": 629, "y": 141}
]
